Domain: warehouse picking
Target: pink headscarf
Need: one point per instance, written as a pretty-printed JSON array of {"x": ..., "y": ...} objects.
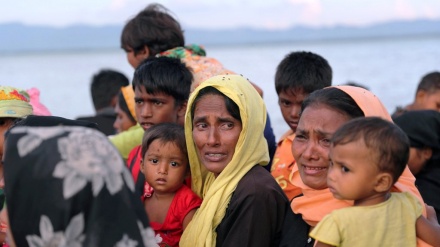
[{"x": 39, "y": 108}]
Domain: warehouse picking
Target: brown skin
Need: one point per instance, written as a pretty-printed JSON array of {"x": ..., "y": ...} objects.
[
  {"x": 417, "y": 158},
  {"x": 425, "y": 100},
  {"x": 215, "y": 133}
]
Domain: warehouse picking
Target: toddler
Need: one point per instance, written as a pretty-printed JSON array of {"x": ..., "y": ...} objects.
[
  {"x": 367, "y": 157},
  {"x": 169, "y": 203}
]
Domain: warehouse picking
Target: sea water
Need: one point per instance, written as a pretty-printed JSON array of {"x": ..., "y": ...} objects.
[{"x": 390, "y": 68}]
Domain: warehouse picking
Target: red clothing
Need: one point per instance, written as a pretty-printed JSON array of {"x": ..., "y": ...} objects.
[
  {"x": 134, "y": 162},
  {"x": 282, "y": 165},
  {"x": 171, "y": 229}
]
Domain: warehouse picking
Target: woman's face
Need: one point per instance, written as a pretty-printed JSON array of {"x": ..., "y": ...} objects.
[
  {"x": 310, "y": 147},
  {"x": 215, "y": 133},
  {"x": 123, "y": 121}
]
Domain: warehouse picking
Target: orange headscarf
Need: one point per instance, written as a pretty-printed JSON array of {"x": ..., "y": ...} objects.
[{"x": 315, "y": 204}]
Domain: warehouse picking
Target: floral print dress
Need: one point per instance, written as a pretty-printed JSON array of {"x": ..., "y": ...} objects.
[{"x": 68, "y": 186}]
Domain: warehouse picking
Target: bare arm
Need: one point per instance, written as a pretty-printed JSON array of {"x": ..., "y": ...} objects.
[
  {"x": 428, "y": 231},
  {"x": 188, "y": 218}
]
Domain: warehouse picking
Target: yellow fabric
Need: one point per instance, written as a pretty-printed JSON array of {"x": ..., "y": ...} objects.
[
  {"x": 128, "y": 94},
  {"x": 127, "y": 140},
  {"x": 390, "y": 223},
  {"x": 251, "y": 149}
]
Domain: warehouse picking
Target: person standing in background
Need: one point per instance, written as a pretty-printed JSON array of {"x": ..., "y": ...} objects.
[
  {"x": 423, "y": 130},
  {"x": 125, "y": 113},
  {"x": 104, "y": 88},
  {"x": 155, "y": 32},
  {"x": 427, "y": 95}
]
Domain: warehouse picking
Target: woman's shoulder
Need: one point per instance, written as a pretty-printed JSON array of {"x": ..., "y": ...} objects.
[{"x": 259, "y": 182}]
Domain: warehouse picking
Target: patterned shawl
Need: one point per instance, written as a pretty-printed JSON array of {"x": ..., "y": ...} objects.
[{"x": 68, "y": 186}]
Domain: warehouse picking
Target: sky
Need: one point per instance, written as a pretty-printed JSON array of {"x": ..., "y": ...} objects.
[{"x": 222, "y": 14}]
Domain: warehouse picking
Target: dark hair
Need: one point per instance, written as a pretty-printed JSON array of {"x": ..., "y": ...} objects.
[
  {"x": 105, "y": 85},
  {"x": 124, "y": 107},
  {"x": 153, "y": 27},
  {"x": 303, "y": 71},
  {"x": 335, "y": 99},
  {"x": 164, "y": 75},
  {"x": 430, "y": 82},
  {"x": 355, "y": 84},
  {"x": 165, "y": 132},
  {"x": 388, "y": 143},
  {"x": 231, "y": 106}
]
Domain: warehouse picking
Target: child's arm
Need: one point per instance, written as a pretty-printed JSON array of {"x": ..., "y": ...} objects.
[
  {"x": 188, "y": 218},
  {"x": 321, "y": 244},
  {"x": 428, "y": 230}
]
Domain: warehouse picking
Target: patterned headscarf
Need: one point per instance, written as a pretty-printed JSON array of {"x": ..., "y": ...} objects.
[
  {"x": 68, "y": 186},
  {"x": 194, "y": 57},
  {"x": 14, "y": 102}
]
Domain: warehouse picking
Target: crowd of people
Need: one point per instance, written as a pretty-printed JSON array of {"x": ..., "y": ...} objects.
[{"x": 185, "y": 155}]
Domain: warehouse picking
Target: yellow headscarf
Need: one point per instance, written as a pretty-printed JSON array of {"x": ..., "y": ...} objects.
[
  {"x": 128, "y": 94},
  {"x": 251, "y": 149}
]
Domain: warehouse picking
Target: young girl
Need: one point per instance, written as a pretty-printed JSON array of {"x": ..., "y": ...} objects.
[
  {"x": 169, "y": 203},
  {"x": 367, "y": 156}
]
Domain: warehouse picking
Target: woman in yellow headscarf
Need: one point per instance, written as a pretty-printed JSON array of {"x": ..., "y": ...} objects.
[{"x": 242, "y": 203}]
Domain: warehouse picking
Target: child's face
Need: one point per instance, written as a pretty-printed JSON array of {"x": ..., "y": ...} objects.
[
  {"x": 352, "y": 172},
  {"x": 164, "y": 166},
  {"x": 290, "y": 106},
  {"x": 154, "y": 109}
]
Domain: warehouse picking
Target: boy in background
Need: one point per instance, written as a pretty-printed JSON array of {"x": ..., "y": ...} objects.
[
  {"x": 104, "y": 88},
  {"x": 155, "y": 32},
  {"x": 427, "y": 95},
  {"x": 161, "y": 90},
  {"x": 298, "y": 74}
]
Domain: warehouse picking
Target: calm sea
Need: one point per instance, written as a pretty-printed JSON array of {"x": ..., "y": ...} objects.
[{"x": 391, "y": 68}]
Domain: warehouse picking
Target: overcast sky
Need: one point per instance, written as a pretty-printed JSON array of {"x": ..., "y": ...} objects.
[{"x": 217, "y": 14}]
